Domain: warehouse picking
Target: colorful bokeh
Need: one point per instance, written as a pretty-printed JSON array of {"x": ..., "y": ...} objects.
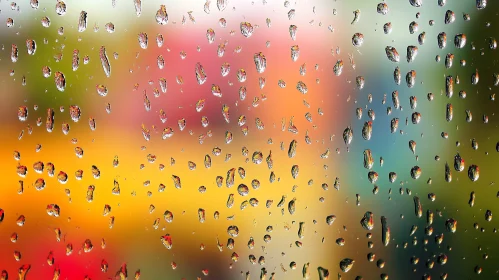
[{"x": 332, "y": 179}]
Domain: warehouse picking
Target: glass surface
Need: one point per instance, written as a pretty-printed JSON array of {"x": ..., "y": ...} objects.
[{"x": 262, "y": 139}]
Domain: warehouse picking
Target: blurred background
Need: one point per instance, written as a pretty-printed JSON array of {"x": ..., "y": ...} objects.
[{"x": 324, "y": 37}]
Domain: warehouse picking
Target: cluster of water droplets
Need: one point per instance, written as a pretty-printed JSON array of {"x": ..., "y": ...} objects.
[{"x": 243, "y": 195}]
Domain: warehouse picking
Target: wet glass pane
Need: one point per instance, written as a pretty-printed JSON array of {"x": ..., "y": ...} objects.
[{"x": 265, "y": 139}]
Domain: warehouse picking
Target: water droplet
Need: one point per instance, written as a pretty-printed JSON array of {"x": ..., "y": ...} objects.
[{"x": 162, "y": 15}]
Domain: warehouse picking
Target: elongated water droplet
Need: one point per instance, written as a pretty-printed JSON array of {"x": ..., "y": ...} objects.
[{"x": 106, "y": 66}]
